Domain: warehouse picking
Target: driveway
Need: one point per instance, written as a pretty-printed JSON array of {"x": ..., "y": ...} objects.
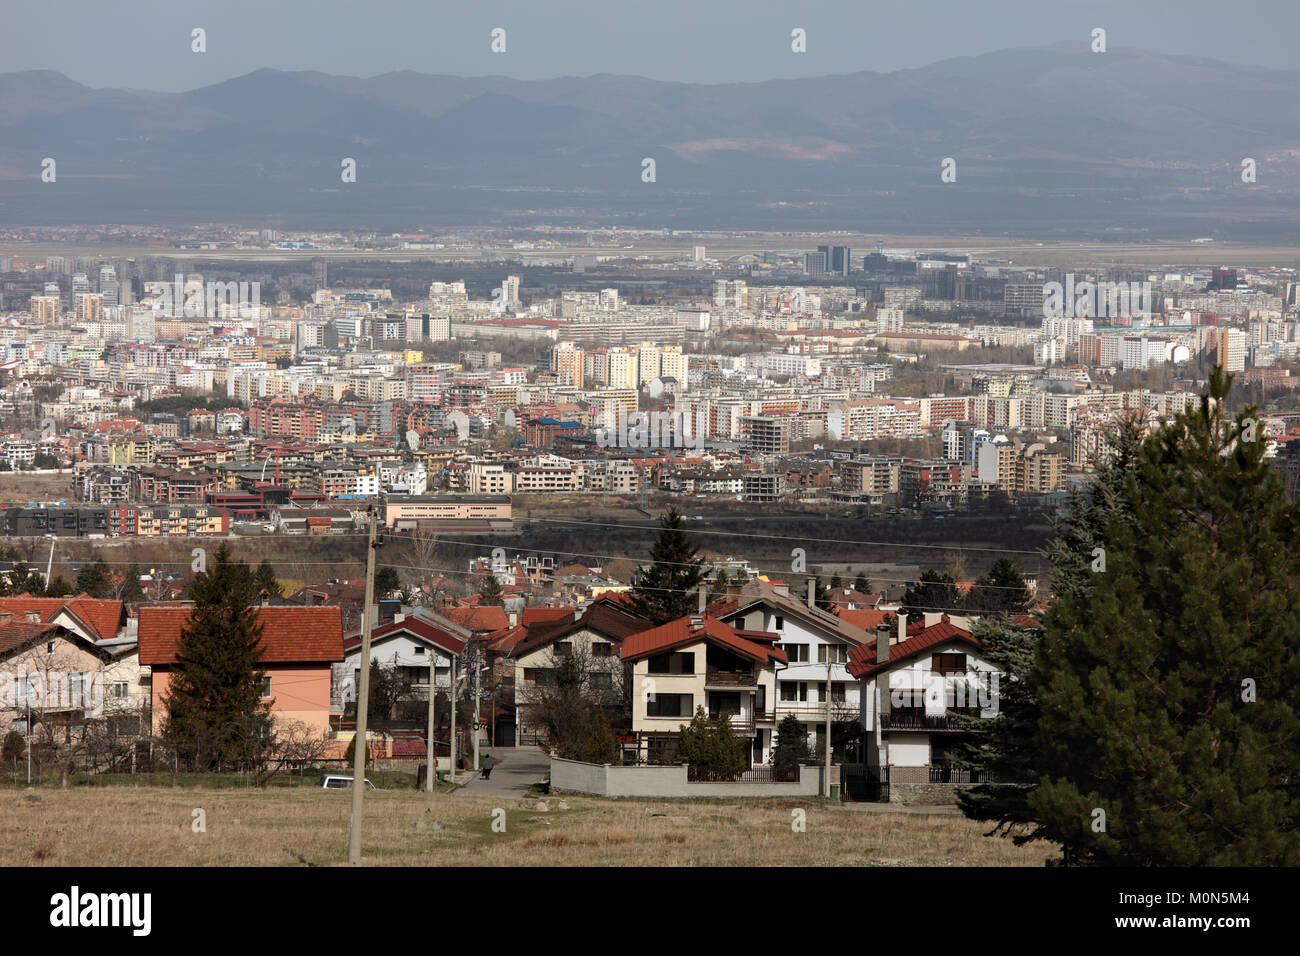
[{"x": 516, "y": 770}]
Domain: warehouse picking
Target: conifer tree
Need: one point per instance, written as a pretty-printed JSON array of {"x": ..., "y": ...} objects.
[
  {"x": 1001, "y": 591},
  {"x": 668, "y": 588},
  {"x": 1169, "y": 684},
  {"x": 214, "y": 703},
  {"x": 861, "y": 584},
  {"x": 935, "y": 592},
  {"x": 93, "y": 579},
  {"x": 264, "y": 579}
]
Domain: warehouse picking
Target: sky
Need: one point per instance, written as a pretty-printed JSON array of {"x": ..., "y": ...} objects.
[{"x": 146, "y": 44}]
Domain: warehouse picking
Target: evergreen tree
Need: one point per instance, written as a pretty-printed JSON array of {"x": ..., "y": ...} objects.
[
  {"x": 214, "y": 704},
  {"x": 836, "y": 582},
  {"x": 264, "y": 579},
  {"x": 489, "y": 593},
  {"x": 93, "y": 579},
  {"x": 860, "y": 583},
  {"x": 791, "y": 745},
  {"x": 59, "y": 588},
  {"x": 599, "y": 747},
  {"x": 131, "y": 590},
  {"x": 1001, "y": 591},
  {"x": 720, "y": 585},
  {"x": 935, "y": 592},
  {"x": 387, "y": 580},
  {"x": 668, "y": 588},
  {"x": 711, "y": 747},
  {"x": 1170, "y": 684}
]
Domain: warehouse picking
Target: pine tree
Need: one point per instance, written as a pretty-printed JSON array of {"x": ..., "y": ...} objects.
[
  {"x": 264, "y": 579},
  {"x": 836, "y": 582},
  {"x": 93, "y": 579},
  {"x": 1170, "y": 683},
  {"x": 935, "y": 592},
  {"x": 1001, "y": 591},
  {"x": 489, "y": 594},
  {"x": 861, "y": 584},
  {"x": 214, "y": 703},
  {"x": 668, "y": 588},
  {"x": 131, "y": 590},
  {"x": 791, "y": 745}
]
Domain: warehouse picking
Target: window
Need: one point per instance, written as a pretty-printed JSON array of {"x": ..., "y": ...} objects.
[
  {"x": 265, "y": 686},
  {"x": 837, "y": 691},
  {"x": 835, "y": 653},
  {"x": 780, "y": 622},
  {"x": 795, "y": 653},
  {"x": 119, "y": 690},
  {"x": 948, "y": 664},
  {"x": 670, "y": 705},
  {"x": 601, "y": 680},
  {"x": 601, "y": 650},
  {"x": 794, "y": 690},
  {"x": 77, "y": 688},
  {"x": 418, "y": 650},
  {"x": 564, "y": 648},
  {"x": 542, "y": 676},
  {"x": 679, "y": 663}
]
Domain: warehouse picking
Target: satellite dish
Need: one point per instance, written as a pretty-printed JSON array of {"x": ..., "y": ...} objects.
[{"x": 413, "y": 439}]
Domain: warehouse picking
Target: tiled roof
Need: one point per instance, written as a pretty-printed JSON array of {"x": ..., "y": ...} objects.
[
  {"x": 758, "y": 590},
  {"x": 413, "y": 625},
  {"x": 682, "y": 632},
  {"x": 289, "y": 634},
  {"x": 603, "y": 617},
  {"x": 539, "y": 615},
  {"x": 16, "y": 634},
  {"x": 867, "y": 618},
  {"x": 102, "y": 617},
  {"x": 490, "y": 618},
  {"x": 862, "y": 660}
]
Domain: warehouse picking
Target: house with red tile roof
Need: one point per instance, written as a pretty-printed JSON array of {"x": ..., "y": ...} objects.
[
  {"x": 817, "y": 644},
  {"x": 699, "y": 661},
  {"x": 411, "y": 643},
  {"x": 917, "y": 683},
  {"x": 94, "y": 618},
  {"x": 591, "y": 635},
  {"x": 51, "y": 672},
  {"x": 300, "y": 645}
]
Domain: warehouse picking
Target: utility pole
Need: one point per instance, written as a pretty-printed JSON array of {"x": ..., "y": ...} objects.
[
  {"x": 826, "y": 780},
  {"x": 478, "y": 666},
  {"x": 363, "y": 702},
  {"x": 433, "y": 746},
  {"x": 452, "y": 741}
]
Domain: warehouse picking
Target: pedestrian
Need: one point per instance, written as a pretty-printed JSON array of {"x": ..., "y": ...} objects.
[{"x": 487, "y": 767}]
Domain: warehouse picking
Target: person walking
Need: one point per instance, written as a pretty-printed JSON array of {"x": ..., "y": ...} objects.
[{"x": 488, "y": 763}]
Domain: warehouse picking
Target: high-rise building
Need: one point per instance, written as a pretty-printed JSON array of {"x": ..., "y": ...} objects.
[
  {"x": 320, "y": 274},
  {"x": 89, "y": 306},
  {"x": 836, "y": 259},
  {"x": 46, "y": 309},
  {"x": 814, "y": 263}
]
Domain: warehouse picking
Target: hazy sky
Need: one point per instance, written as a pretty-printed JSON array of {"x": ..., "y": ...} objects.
[{"x": 145, "y": 44}]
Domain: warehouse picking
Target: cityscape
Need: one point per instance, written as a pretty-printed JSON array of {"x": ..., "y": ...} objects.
[{"x": 756, "y": 508}]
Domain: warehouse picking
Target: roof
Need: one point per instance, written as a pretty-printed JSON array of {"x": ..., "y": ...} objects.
[
  {"x": 476, "y": 618},
  {"x": 416, "y": 626},
  {"x": 862, "y": 660},
  {"x": 16, "y": 635},
  {"x": 682, "y": 632},
  {"x": 603, "y": 617},
  {"x": 103, "y": 618},
  {"x": 289, "y": 634},
  {"x": 759, "y": 591},
  {"x": 867, "y": 618}
]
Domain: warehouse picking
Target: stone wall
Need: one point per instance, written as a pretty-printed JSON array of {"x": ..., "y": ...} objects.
[{"x": 609, "y": 781}]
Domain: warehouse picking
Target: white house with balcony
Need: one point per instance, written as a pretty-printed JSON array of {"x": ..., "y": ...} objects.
[
  {"x": 814, "y": 640},
  {"x": 421, "y": 646},
  {"x": 917, "y": 683}
]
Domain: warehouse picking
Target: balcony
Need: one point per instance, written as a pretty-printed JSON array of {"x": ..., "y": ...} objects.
[
  {"x": 842, "y": 711},
  {"x": 915, "y": 718},
  {"x": 717, "y": 677}
]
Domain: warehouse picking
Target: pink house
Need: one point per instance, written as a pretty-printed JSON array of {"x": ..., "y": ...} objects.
[{"x": 300, "y": 645}]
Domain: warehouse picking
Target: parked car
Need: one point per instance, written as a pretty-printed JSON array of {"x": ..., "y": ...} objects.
[{"x": 338, "y": 782}]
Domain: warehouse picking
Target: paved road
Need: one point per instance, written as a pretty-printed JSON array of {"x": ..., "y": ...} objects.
[{"x": 516, "y": 770}]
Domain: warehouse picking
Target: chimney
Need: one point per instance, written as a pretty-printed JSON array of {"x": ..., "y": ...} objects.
[
  {"x": 781, "y": 588},
  {"x": 704, "y": 598},
  {"x": 812, "y": 592},
  {"x": 33, "y": 617},
  {"x": 733, "y": 591},
  {"x": 513, "y": 617},
  {"x": 697, "y": 622},
  {"x": 882, "y": 643},
  {"x": 902, "y": 627}
]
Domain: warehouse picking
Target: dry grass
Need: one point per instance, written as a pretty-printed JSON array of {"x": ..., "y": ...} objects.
[{"x": 136, "y": 826}]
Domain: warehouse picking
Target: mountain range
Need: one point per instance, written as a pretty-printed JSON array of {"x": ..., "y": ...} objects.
[{"x": 1048, "y": 142}]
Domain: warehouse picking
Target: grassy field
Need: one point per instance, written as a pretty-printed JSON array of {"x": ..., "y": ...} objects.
[
  {"x": 18, "y": 488},
  {"x": 138, "y": 826}
]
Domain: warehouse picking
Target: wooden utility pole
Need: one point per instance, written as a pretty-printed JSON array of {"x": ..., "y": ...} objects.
[
  {"x": 826, "y": 782},
  {"x": 452, "y": 739},
  {"x": 363, "y": 701},
  {"x": 433, "y": 746}
]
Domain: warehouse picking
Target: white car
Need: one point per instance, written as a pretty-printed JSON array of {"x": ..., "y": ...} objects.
[{"x": 337, "y": 782}]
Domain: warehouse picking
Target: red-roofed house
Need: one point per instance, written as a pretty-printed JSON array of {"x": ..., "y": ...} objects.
[
  {"x": 93, "y": 618},
  {"x": 300, "y": 645},
  {"x": 408, "y": 644},
  {"x": 697, "y": 661},
  {"x": 913, "y": 681}
]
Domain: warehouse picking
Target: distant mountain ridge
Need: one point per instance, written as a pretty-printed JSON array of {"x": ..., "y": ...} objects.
[{"x": 1045, "y": 140}]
